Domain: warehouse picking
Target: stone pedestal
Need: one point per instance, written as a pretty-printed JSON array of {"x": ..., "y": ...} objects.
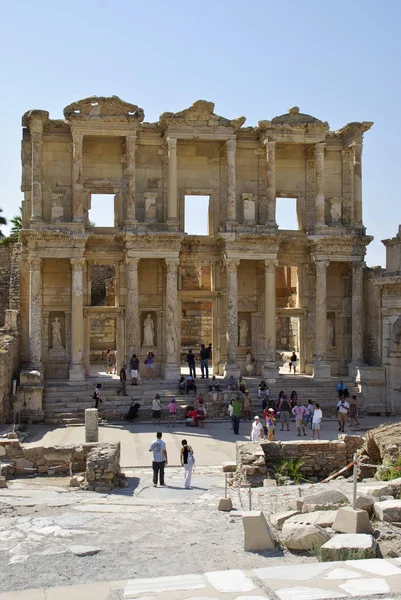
[
  {"x": 172, "y": 366},
  {"x": 232, "y": 367},
  {"x": 321, "y": 370},
  {"x": 257, "y": 533},
  {"x": 91, "y": 425},
  {"x": 349, "y": 520}
]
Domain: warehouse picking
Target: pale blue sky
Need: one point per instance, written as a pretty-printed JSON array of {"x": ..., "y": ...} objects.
[{"x": 339, "y": 61}]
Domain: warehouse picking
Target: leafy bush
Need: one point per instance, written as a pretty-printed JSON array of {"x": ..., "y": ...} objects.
[
  {"x": 289, "y": 468},
  {"x": 389, "y": 471}
]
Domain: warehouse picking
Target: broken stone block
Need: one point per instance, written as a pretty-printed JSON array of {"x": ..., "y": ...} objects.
[
  {"x": 279, "y": 519},
  {"x": 349, "y": 546},
  {"x": 388, "y": 510},
  {"x": 257, "y": 533},
  {"x": 322, "y": 518},
  {"x": 3, "y": 483},
  {"x": 303, "y": 536},
  {"x": 365, "y": 503},
  {"x": 349, "y": 520},
  {"x": 84, "y": 550},
  {"x": 229, "y": 467},
  {"x": 329, "y": 499}
]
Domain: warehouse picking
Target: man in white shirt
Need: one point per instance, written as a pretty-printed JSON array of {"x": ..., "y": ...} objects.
[
  {"x": 158, "y": 447},
  {"x": 316, "y": 420},
  {"x": 342, "y": 410}
]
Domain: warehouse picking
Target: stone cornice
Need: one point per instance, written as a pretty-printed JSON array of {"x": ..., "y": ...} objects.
[
  {"x": 100, "y": 108},
  {"x": 388, "y": 280},
  {"x": 340, "y": 247},
  {"x": 199, "y": 114}
]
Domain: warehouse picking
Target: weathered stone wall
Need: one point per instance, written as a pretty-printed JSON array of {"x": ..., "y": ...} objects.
[
  {"x": 9, "y": 359},
  {"x": 15, "y": 277},
  {"x": 372, "y": 327},
  {"x": 5, "y": 268},
  {"x": 320, "y": 458},
  {"x": 100, "y": 461},
  {"x": 196, "y": 324}
]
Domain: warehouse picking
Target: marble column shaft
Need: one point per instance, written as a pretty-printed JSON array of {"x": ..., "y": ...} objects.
[
  {"x": 132, "y": 334},
  {"x": 130, "y": 172},
  {"x": 270, "y": 310},
  {"x": 232, "y": 311},
  {"x": 172, "y": 207},
  {"x": 357, "y": 313},
  {"x": 77, "y": 314},
  {"x": 320, "y": 194},
  {"x": 172, "y": 317},
  {"x": 271, "y": 181},
  {"x": 231, "y": 180},
  {"x": 321, "y": 310},
  {"x": 77, "y": 177},
  {"x": 358, "y": 183},
  {"x": 35, "y": 311},
  {"x": 36, "y": 194}
]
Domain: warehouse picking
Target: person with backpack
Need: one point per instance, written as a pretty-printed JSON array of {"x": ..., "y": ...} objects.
[
  {"x": 187, "y": 461},
  {"x": 96, "y": 395}
]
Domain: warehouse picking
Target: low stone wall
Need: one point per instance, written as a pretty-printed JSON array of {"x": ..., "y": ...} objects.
[
  {"x": 9, "y": 350},
  {"x": 320, "y": 458},
  {"x": 99, "y": 461}
]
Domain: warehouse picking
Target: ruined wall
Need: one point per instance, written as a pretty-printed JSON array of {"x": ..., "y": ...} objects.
[
  {"x": 5, "y": 268},
  {"x": 9, "y": 361}
]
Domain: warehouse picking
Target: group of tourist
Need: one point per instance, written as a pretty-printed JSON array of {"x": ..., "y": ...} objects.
[{"x": 204, "y": 355}]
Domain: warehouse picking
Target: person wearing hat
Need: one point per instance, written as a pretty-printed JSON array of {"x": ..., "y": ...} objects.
[
  {"x": 256, "y": 430},
  {"x": 156, "y": 409}
]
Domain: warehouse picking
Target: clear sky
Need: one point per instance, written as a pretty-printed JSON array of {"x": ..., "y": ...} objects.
[{"x": 338, "y": 61}]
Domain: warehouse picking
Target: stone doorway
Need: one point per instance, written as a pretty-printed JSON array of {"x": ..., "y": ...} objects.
[{"x": 196, "y": 326}]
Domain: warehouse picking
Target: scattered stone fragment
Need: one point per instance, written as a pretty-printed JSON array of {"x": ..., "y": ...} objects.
[
  {"x": 85, "y": 550},
  {"x": 279, "y": 519},
  {"x": 349, "y": 546},
  {"x": 302, "y": 536},
  {"x": 365, "y": 503},
  {"x": 322, "y": 518},
  {"x": 329, "y": 499},
  {"x": 388, "y": 510},
  {"x": 257, "y": 533},
  {"x": 349, "y": 520}
]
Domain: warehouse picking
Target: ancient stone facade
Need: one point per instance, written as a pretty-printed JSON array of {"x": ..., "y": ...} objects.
[{"x": 245, "y": 285}]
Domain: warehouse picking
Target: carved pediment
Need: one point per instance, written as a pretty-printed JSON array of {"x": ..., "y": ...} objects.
[
  {"x": 107, "y": 109},
  {"x": 199, "y": 114},
  {"x": 293, "y": 120}
]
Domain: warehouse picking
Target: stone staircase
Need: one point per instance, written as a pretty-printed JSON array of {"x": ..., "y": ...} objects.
[{"x": 65, "y": 402}]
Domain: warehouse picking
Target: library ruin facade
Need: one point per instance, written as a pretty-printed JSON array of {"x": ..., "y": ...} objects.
[{"x": 144, "y": 284}]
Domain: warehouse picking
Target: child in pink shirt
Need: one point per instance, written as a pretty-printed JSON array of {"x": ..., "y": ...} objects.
[{"x": 172, "y": 411}]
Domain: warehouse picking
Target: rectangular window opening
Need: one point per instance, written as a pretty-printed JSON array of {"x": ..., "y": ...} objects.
[
  {"x": 286, "y": 214},
  {"x": 196, "y": 213},
  {"x": 101, "y": 211}
]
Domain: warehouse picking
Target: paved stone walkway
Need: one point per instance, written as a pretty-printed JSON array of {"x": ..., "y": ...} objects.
[{"x": 369, "y": 579}]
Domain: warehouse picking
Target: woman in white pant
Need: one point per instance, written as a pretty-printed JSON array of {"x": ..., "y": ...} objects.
[{"x": 187, "y": 461}]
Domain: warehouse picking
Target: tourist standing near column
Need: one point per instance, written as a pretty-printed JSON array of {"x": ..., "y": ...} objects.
[
  {"x": 123, "y": 380},
  {"x": 96, "y": 395},
  {"x": 187, "y": 461},
  {"x": 150, "y": 365},
  {"x": 191, "y": 364},
  {"x": 156, "y": 409},
  {"x": 316, "y": 420},
  {"x": 158, "y": 447},
  {"x": 134, "y": 364},
  {"x": 204, "y": 361}
]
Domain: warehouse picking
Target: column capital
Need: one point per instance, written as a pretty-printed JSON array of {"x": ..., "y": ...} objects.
[
  {"x": 172, "y": 143},
  {"x": 131, "y": 137},
  {"x": 77, "y": 137},
  {"x": 131, "y": 262},
  {"x": 358, "y": 267},
  {"x": 321, "y": 264},
  {"x": 320, "y": 147},
  {"x": 270, "y": 265},
  {"x": 35, "y": 263},
  {"x": 77, "y": 264},
  {"x": 270, "y": 144},
  {"x": 171, "y": 263},
  {"x": 231, "y": 264}
]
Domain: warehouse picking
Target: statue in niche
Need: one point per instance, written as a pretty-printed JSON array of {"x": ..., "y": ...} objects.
[
  {"x": 57, "y": 343},
  {"x": 243, "y": 333},
  {"x": 148, "y": 331},
  {"x": 249, "y": 362},
  {"x": 331, "y": 339}
]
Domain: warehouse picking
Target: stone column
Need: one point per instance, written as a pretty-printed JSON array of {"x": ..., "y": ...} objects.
[
  {"x": 77, "y": 178},
  {"x": 231, "y": 367},
  {"x": 172, "y": 208},
  {"x": 91, "y": 425},
  {"x": 35, "y": 313},
  {"x": 77, "y": 372},
  {"x": 132, "y": 333},
  {"x": 270, "y": 368},
  {"x": 231, "y": 181},
  {"x": 322, "y": 367},
  {"x": 172, "y": 366},
  {"x": 320, "y": 196},
  {"x": 36, "y": 128},
  {"x": 357, "y": 319},
  {"x": 271, "y": 182},
  {"x": 130, "y": 172},
  {"x": 358, "y": 183}
]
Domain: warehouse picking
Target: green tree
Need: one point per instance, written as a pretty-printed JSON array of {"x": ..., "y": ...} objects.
[
  {"x": 16, "y": 223},
  {"x": 3, "y": 221}
]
